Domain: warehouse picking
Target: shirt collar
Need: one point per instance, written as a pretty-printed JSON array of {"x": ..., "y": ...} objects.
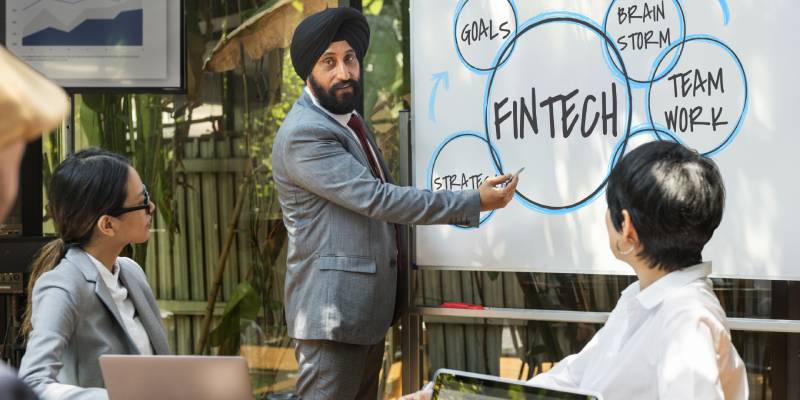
[
  {"x": 340, "y": 118},
  {"x": 661, "y": 288},
  {"x": 108, "y": 276}
]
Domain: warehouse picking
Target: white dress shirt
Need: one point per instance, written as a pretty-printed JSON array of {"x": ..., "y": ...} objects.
[
  {"x": 668, "y": 341},
  {"x": 125, "y": 306},
  {"x": 344, "y": 119}
]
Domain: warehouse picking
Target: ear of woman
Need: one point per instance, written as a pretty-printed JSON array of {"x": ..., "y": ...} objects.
[{"x": 105, "y": 226}]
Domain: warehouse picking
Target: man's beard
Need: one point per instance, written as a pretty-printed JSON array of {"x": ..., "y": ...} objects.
[{"x": 333, "y": 103}]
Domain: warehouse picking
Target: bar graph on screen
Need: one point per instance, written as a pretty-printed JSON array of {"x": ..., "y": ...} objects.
[
  {"x": 125, "y": 28},
  {"x": 120, "y": 39}
]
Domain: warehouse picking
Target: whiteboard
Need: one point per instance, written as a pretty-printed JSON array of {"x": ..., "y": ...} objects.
[{"x": 563, "y": 88}]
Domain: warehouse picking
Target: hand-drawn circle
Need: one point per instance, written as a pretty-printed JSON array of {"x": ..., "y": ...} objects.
[
  {"x": 462, "y": 58},
  {"x": 546, "y": 18},
  {"x": 432, "y": 163},
  {"x": 745, "y": 104},
  {"x": 639, "y": 130},
  {"x": 643, "y": 82}
]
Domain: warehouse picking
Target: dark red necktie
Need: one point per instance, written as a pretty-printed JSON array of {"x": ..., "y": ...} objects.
[
  {"x": 400, "y": 296},
  {"x": 358, "y": 127}
]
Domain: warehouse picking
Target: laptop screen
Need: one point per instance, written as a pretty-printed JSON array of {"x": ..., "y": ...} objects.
[{"x": 455, "y": 385}]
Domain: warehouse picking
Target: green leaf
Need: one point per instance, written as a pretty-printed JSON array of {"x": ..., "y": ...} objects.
[
  {"x": 228, "y": 326},
  {"x": 95, "y": 102},
  {"x": 373, "y": 6},
  {"x": 246, "y": 299},
  {"x": 243, "y": 305},
  {"x": 89, "y": 122}
]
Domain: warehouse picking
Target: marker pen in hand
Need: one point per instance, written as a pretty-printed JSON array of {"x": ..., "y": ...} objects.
[{"x": 513, "y": 176}]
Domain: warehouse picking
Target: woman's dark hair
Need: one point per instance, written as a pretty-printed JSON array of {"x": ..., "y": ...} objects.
[
  {"x": 87, "y": 185},
  {"x": 675, "y": 198}
]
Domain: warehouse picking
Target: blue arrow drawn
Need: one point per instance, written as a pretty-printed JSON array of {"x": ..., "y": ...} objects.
[
  {"x": 726, "y": 12},
  {"x": 437, "y": 78}
]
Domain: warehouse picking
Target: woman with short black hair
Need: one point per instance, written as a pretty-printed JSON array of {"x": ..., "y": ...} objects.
[{"x": 667, "y": 336}]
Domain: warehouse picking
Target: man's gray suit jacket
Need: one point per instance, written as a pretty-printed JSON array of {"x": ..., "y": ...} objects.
[
  {"x": 75, "y": 321},
  {"x": 341, "y": 274}
]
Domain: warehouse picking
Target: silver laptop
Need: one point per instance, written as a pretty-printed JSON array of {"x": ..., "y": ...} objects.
[
  {"x": 176, "y": 377},
  {"x": 460, "y": 385}
]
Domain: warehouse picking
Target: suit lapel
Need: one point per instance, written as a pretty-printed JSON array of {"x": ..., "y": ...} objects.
[
  {"x": 306, "y": 101},
  {"x": 86, "y": 266},
  {"x": 151, "y": 322}
]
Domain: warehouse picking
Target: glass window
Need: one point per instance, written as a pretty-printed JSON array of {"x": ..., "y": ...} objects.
[{"x": 519, "y": 349}]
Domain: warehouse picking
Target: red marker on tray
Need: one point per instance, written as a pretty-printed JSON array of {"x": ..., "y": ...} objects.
[{"x": 463, "y": 306}]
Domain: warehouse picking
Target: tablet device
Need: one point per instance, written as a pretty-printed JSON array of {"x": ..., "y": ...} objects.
[
  {"x": 459, "y": 385},
  {"x": 130, "y": 377}
]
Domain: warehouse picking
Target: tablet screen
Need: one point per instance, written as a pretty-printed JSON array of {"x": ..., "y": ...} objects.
[{"x": 451, "y": 385}]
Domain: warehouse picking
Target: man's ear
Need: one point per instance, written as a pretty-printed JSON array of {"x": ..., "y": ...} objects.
[
  {"x": 629, "y": 233},
  {"x": 105, "y": 225}
]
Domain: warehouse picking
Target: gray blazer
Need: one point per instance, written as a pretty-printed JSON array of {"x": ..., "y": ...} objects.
[
  {"x": 75, "y": 321},
  {"x": 341, "y": 274}
]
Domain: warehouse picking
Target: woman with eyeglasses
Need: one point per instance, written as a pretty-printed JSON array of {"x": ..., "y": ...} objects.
[{"x": 84, "y": 300}]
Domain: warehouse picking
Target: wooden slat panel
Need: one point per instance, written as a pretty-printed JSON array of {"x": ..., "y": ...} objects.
[
  {"x": 431, "y": 287},
  {"x": 210, "y": 215},
  {"x": 171, "y": 331},
  {"x": 226, "y": 198},
  {"x": 194, "y": 229},
  {"x": 215, "y": 165},
  {"x": 151, "y": 265},
  {"x": 180, "y": 251},
  {"x": 513, "y": 297},
  {"x": 430, "y": 294},
  {"x": 493, "y": 295},
  {"x": 244, "y": 239},
  {"x": 166, "y": 286},
  {"x": 197, "y": 323},
  {"x": 189, "y": 307},
  {"x": 434, "y": 339},
  {"x": 436, "y": 319},
  {"x": 194, "y": 233},
  {"x": 455, "y": 345},
  {"x": 474, "y": 336},
  {"x": 183, "y": 325}
]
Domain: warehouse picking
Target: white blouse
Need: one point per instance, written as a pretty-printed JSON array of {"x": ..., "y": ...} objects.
[
  {"x": 669, "y": 341},
  {"x": 133, "y": 326}
]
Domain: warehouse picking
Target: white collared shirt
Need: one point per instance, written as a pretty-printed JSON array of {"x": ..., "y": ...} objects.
[
  {"x": 344, "y": 119},
  {"x": 669, "y": 341},
  {"x": 133, "y": 326}
]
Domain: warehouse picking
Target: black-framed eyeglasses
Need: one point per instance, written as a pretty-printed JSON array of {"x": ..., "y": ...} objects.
[{"x": 145, "y": 206}]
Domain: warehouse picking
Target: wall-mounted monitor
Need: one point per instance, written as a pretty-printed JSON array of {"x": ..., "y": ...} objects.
[{"x": 86, "y": 45}]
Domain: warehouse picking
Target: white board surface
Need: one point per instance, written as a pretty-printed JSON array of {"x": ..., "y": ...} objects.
[{"x": 563, "y": 87}]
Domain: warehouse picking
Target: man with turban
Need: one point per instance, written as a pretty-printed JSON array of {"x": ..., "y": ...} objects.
[{"x": 341, "y": 211}]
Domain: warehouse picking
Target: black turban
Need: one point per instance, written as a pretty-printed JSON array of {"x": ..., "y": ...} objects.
[{"x": 313, "y": 36}]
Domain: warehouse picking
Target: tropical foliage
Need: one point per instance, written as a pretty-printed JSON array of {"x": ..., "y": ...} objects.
[{"x": 253, "y": 100}]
